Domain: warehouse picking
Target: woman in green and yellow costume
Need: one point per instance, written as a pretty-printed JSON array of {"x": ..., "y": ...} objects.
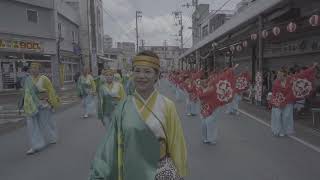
[
  {"x": 86, "y": 91},
  {"x": 145, "y": 139},
  {"x": 109, "y": 94},
  {"x": 38, "y": 103}
]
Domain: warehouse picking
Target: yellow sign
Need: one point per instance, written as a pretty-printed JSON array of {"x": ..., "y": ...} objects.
[{"x": 19, "y": 44}]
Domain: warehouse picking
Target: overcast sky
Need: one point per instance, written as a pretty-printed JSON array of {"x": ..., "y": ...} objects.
[{"x": 157, "y": 23}]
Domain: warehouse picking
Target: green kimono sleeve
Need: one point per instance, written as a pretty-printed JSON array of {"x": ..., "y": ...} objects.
[
  {"x": 30, "y": 100},
  {"x": 104, "y": 165}
]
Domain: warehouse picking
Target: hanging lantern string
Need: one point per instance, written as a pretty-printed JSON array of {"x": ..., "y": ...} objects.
[
  {"x": 266, "y": 28},
  {"x": 206, "y": 56},
  {"x": 225, "y": 47},
  {"x": 270, "y": 27},
  {"x": 285, "y": 23}
]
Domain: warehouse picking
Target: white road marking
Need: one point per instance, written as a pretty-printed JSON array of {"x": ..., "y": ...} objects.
[{"x": 313, "y": 147}]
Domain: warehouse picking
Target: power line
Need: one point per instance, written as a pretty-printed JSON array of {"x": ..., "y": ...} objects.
[
  {"x": 221, "y": 7},
  {"x": 115, "y": 20},
  {"x": 188, "y": 39},
  {"x": 216, "y": 11},
  {"x": 142, "y": 29}
]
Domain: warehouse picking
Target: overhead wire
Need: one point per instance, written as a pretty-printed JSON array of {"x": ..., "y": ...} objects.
[
  {"x": 216, "y": 11},
  {"x": 117, "y": 22}
]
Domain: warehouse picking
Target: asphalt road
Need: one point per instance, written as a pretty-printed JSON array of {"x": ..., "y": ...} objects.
[{"x": 246, "y": 150}]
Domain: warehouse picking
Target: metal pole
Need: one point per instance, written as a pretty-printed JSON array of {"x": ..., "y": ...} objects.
[
  {"x": 137, "y": 34},
  {"x": 260, "y": 44},
  {"x": 181, "y": 29}
]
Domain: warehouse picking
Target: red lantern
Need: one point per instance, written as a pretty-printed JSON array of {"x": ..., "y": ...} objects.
[
  {"x": 232, "y": 48},
  {"x": 276, "y": 30},
  {"x": 245, "y": 43},
  {"x": 254, "y": 37},
  {"x": 239, "y": 48},
  {"x": 292, "y": 27},
  {"x": 314, "y": 20},
  {"x": 265, "y": 33}
]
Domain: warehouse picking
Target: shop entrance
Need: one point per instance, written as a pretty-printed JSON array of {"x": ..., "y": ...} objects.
[{"x": 8, "y": 75}]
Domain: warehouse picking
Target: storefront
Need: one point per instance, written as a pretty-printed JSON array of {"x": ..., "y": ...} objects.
[
  {"x": 17, "y": 54},
  {"x": 70, "y": 64}
]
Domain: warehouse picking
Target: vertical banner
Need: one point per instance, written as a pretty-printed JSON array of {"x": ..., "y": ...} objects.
[
  {"x": 258, "y": 87},
  {"x": 61, "y": 74}
]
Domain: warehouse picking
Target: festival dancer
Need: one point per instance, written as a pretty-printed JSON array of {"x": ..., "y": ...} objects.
[
  {"x": 145, "y": 139},
  {"x": 39, "y": 101}
]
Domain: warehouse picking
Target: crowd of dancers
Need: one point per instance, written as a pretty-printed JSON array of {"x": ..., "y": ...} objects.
[{"x": 144, "y": 137}]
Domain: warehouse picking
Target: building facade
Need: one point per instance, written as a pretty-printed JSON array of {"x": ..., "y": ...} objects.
[
  {"x": 107, "y": 42},
  {"x": 205, "y": 22},
  {"x": 91, "y": 32},
  {"x": 200, "y": 13},
  {"x": 263, "y": 37},
  {"x": 243, "y": 4},
  {"x": 119, "y": 59},
  {"x": 127, "y": 46},
  {"x": 46, "y": 32},
  {"x": 167, "y": 55}
]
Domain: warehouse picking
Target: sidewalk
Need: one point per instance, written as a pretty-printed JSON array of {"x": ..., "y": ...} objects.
[
  {"x": 10, "y": 118},
  {"x": 303, "y": 129},
  {"x": 10, "y": 98}
]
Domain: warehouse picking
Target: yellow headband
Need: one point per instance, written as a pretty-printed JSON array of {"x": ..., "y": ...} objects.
[
  {"x": 146, "y": 61},
  {"x": 35, "y": 65},
  {"x": 108, "y": 71}
]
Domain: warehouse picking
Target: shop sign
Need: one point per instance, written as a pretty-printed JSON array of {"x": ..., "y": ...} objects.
[{"x": 19, "y": 44}]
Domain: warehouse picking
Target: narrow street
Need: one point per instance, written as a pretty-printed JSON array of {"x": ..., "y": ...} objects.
[{"x": 246, "y": 150}]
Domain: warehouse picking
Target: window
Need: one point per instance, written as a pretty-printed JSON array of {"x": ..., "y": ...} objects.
[
  {"x": 68, "y": 72},
  {"x": 73, "y": 36},
  {"x": 113, "y": 57},
  {"x": 32, "y": 16},
  {"x": 205, "y": 31}
]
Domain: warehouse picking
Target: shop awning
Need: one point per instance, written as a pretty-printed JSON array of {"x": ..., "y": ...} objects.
[{"x": 105, "y": 59}]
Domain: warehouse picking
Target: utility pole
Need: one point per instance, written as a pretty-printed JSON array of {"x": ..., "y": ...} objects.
[
  {"x": 138, "y": 15},
  {"x": 178, "y": 17},
  {"x": 142, "y": 44},
  {"x": 165, "y": 49}
]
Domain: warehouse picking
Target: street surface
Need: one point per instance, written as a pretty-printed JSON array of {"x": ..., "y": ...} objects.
[{"x": 246, "y": 150}]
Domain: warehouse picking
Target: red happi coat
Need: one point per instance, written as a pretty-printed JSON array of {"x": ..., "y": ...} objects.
[
  {"x": 196, "y": 91},
  {"x": 242, "y": 82},
  {"x": 297, "y": 86},
  {"x": 279, "y": 91},
  {"x": 195, "y": 87},
  {"x": 180, "y": 82},
  {"x": 207, "y": 106},
  {"x": 221, "y": 92},
  {"x": 185, "y": 86},
  {"x": 301, "y": 84},
  {"x": 224, "y": 87}
]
